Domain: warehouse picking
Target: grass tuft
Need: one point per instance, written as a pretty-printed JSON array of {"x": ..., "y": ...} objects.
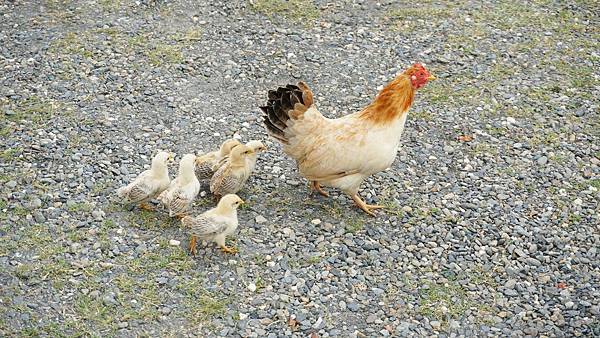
[
  {"x": 294, "y": 10},
  {"x": 443, "y": 301}
]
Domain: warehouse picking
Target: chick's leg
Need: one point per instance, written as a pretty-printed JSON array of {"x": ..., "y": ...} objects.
[
  {"x": 193, "y": 246},
  {"x": 146, "y": 206},
  {"x": 221, "y": 243},
  {"x": 314, "y": 185},
  {"x": 229, "y": 250},
  {"x": 368, "y": 208}
]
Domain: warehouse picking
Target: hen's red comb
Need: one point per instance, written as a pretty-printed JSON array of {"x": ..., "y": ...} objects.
[{"x": 418, "y": 66}]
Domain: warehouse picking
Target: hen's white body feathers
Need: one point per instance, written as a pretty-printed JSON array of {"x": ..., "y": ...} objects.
[{"x": 348, "y": 147}]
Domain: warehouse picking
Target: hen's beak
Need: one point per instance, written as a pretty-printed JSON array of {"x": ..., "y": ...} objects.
[
  {"x": 242, "y": 202},
  {"x": 431, "y": 77}
]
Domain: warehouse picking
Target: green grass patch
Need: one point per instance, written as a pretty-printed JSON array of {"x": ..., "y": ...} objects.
[
  {"x": 10, "y": 155},
  {"x": 410, "y": 15},
  {"x": 161, "y": 53},
  {"x": 158, "y": 48},
  {"x": 443, "y": 301},
  {"x": 594, "y": 183},
  {"x": 110, "y": 5},
  {"x": 80, "y": 207},
  {"x": 294, "y": 10},
  {"x": 35, "y": 109},
  {"x": 354, "y": 225},
  {"x": 201, "y": 305}
]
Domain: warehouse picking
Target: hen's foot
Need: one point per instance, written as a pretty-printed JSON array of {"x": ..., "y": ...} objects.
[
  {"x": 229, "y": 250},
  {"x": 368, "y": 208},
  {"x": 193, "y": 246},
  {"x": 146, "y": 206},
  {"x": 315, "y": 186}
]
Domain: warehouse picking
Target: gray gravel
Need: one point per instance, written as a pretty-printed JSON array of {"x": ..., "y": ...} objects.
[{"x": 494, "y": 236}]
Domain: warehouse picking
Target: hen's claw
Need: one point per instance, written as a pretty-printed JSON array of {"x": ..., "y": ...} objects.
[
  {"x": 368, "y": 208},
  {"x": 314, "y": 185}
]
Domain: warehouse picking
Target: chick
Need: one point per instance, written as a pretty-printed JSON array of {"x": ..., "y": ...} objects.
[
  {"x": 215, "y": 224},
  {"x": 149, "y": 183},
  {"x": 181, "y": 192},
  {"x": 230, "y": 178},
  {"x": 258, "y": 147},
  {"x": 207, "y": 164}
]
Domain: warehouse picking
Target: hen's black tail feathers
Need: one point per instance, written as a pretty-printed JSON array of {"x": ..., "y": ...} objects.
[{"x": 282, "y": 105}]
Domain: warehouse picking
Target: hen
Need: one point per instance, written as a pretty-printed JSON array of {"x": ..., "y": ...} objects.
[{"x": 342, "y": 152}]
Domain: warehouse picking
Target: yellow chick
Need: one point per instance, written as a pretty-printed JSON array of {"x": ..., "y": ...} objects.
[
  {"x": 149, "y": 183},
  {"x": 207, "y": 164},
  {"x": 215, "y": 224},
  {"x": 181, "y": 192},
  {"x": 258, "y": 147},
  {"x": 230, "y": 178}
]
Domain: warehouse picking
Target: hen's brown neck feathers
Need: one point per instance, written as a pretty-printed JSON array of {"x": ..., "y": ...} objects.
[{"x": 393, "y": 101}]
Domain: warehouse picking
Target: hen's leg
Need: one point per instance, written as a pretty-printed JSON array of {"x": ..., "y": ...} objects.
[
  {"x": 193, "y": 246},
  {"x": 146, "y": 206},
  {"x": 314, "y": 185},
  {"x": 368, "y": 208}
]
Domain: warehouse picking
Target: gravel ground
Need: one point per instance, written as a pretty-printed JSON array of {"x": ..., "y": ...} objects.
[{"x": 497, "y": 235}]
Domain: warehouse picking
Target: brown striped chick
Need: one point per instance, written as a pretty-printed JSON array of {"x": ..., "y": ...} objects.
[
  {"x": 183, "y": 190},
  {"x": 258, "y": 147},
  {"x": 149, "y": 183},
  {"x": 230, "y": 178},
  {"x": 215, "y": 224},
  {"x": 207, "y": 164}
]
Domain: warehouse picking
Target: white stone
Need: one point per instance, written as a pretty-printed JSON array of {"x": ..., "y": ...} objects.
[{"x": 252, "y": 287}]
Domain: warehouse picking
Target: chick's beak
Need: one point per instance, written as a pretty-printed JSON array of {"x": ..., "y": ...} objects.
[
  {"x": 242, "y": 202},
  {"x": 431, "y": 77}
]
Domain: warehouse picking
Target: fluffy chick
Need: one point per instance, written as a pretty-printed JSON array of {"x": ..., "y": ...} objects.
[
  {"x": 230, "y": 178},
  {"x": 207, "y": 164},
  {"x": 257, "y": 147},
  {"x": 215, "y": 224},
  {"x": 181, "y": 192},
  {"x": 149, "y": 183}
]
